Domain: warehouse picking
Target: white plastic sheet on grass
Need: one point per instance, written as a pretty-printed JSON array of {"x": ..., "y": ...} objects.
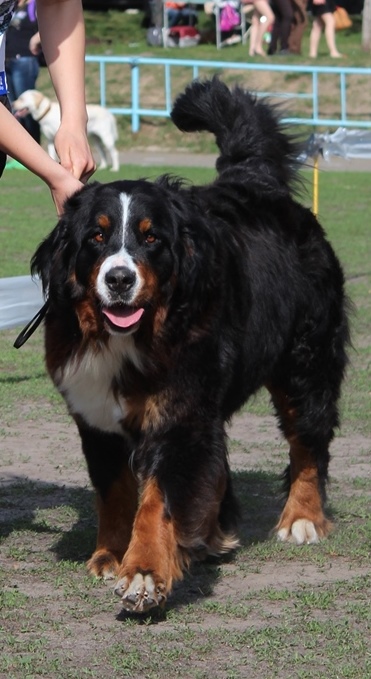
[
  {"x": 20, "y": 299},
  {"x": 347, "y": 144},
  {"x": 343, "y": 143}
]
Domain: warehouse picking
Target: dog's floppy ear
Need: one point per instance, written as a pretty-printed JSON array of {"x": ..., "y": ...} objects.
[{"x": 52, "y": 247}]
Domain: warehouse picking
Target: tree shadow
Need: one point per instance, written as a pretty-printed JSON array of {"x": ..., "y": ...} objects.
[
  {"x": 21, "y": 500},
  {"x": 261, "y": 499}
]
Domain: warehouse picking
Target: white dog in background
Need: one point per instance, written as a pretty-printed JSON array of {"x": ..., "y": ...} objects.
[{"x": 102, "y": 126}]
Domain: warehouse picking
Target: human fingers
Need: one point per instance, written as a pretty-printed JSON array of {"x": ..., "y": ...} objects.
[
  {"x": 74, "y": 153},
  {"x": 63, "y": 190}
]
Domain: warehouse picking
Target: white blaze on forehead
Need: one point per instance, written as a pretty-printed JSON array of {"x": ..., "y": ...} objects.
[
  {"x": 120, "y": 258},
  {"x": 125, "y": 204}
]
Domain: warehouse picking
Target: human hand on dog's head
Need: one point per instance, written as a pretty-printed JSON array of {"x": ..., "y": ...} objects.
[
  {"x": 62, "y": 185},
  {"x": 72, "y": 147}
]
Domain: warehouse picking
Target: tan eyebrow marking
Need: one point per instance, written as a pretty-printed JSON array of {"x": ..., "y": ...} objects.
[
  {"x": 104, "y": 221},
  {"x": 145, "y": 225}
]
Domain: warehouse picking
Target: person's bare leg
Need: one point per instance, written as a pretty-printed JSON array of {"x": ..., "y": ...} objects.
[
  {"x": 262, "y": 11},
  {"x": 315, "y": 36},
  {"x": 254, "y": 33},
  {"x": 329, "y": 22}
]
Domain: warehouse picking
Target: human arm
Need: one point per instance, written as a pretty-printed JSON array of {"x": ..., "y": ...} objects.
[
  {"x": 35, "y": 44},
  {"x": 18, "y": 143},
  {"x": 62, "y": 32}
]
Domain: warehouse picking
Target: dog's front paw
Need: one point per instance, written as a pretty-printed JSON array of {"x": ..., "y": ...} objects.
[
  {"x": 141, "y": 593},
  {"x": 103, "y": 564}
]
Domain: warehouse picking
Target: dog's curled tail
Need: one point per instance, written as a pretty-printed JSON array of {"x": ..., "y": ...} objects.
[{"x": 248, "y": 131}]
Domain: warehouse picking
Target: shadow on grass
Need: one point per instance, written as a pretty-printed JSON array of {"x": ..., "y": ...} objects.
[
  {"x": 21, "y": 378},
  {"x": 22, "y": 500}
]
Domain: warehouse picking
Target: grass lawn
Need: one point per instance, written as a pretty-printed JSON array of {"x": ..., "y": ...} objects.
[{"x": 272, "y": 611}]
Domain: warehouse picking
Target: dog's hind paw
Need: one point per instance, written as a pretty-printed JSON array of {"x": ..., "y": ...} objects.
[
  {"x": 301, "y": 532},
  {"x": 103, "y": 564},
  {"x": 140, "y": 593}
]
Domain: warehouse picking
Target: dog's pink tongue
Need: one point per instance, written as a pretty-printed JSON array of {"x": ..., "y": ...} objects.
[{"x": 123, "y": 317}]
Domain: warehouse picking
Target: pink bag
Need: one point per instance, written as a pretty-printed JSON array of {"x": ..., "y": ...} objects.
[{"x": 229, "y": 18}]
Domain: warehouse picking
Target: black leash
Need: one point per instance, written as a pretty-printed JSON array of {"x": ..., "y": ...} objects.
[{"x": 31, "y": 326}]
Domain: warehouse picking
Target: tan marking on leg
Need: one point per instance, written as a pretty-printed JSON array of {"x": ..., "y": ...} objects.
[
  {"x": 153, "y": 560},
  {"x": 222, "y": 543},
  {"x": 116, "y": 514},
  {"x": 302, "y": 520}
]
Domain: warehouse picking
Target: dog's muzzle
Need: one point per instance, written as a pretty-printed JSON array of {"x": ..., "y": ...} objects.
[
  {"x": 120, "y": 280},
  {"x": 121, "y": 315}
]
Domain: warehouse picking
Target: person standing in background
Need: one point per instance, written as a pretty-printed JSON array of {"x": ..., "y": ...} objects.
[
  {"x": 298, "y": 26},
  {"x": 62, "y": 32},
  {"x": 323, "y": 19},
  {"x": 21, "y": 62},
  {"x": 283, "y": 13},
  {"x": 262, "y": 18}
]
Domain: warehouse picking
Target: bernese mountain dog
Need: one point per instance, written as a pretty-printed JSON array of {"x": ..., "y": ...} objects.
[{"x": 169, "y": 305}]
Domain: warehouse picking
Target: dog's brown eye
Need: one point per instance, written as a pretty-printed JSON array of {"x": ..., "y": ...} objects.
[
  {"x": 150, "y": 238},
  {"x": 98, "y": 237}
]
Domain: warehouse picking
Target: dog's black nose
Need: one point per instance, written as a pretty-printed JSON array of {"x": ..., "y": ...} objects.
[{"x": 120, "y": 279}]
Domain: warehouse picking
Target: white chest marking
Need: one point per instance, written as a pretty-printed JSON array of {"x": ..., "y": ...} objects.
[{"x": 87, "y": 384}]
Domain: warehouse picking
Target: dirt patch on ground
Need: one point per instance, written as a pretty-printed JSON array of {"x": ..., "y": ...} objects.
[
  {"x": 48, "y": 524},
  {"x": 47, "y": 457}
]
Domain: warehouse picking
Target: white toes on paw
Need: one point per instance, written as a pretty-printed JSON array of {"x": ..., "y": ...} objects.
[
  {"x": 283, "y": 534},
  {"x": 109, "y": 574},
  {"x": 140, "y": 594},
  {"x": 302, "y": 532}
]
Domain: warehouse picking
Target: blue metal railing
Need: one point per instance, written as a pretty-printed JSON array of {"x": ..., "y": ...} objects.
[{"x": 136, "y": 110}]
